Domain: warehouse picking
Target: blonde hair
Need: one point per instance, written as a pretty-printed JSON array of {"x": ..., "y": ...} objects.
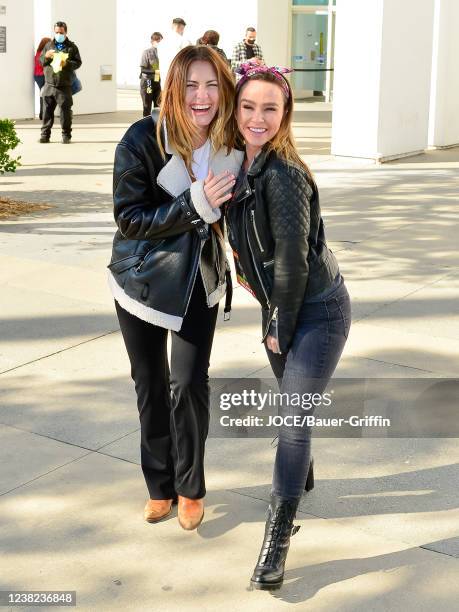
[
  {"x": 181, "y": 132},
  {"x": 283, "y": 143}
]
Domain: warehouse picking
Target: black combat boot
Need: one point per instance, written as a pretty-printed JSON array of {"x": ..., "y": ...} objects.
[{"x": 269, "y": 572}]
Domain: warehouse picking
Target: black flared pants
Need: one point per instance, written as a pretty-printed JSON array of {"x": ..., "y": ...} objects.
[{"x": 173, "y": 402}]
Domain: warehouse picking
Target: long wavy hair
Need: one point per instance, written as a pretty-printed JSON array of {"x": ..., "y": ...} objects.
[
  {"x": 41, "y": 45},
  {"x": 181, "y": 131},
  {"x": 283, "y": 143}
]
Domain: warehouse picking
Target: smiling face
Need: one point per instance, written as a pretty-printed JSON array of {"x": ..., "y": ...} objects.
[
  {"x": 250, "y": 37},
  {"x": 201, "y": 98},
  {"x": 259, "y": 113}
]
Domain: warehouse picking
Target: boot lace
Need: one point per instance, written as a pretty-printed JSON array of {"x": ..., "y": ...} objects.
[{"x": 279, "y": 525}]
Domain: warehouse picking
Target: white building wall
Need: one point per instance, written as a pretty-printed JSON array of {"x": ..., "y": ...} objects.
[
  {"x": 92, "y": 27},
  {"x": 43, "y": 28},
  {"x": 383, "y": 54},
  {"x": 406, "y": 60},
  {"x": 274, "y": 31},
  {"x": 356, "y": 77},
  {"x": 138, "y": 19},
  {"x": 16, "y": 65},
  {"x": 444, "y": 100}
]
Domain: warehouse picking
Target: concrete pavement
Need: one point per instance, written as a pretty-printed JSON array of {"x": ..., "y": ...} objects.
[{"x": 379, "y": 530}]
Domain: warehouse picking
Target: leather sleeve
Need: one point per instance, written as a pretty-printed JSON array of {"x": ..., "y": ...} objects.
[
  {"x": 144, "y": 61},
  {"x": 137, "y": 216},
  {"x": 45, "y": 61},
  {"x": 74, "y": 61},
  {"x": 288, "y": 195}
]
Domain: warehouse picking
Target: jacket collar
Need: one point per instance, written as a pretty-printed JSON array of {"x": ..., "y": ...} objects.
[
  {"x": 246, "y": 187},
  {"x": 258, "y": 163},
  {"x": 174, "y": 177}
]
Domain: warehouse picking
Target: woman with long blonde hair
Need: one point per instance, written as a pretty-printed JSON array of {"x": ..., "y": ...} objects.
[
  {"x": 168, "y": 270},
  {"x": 277, "y": 234}
]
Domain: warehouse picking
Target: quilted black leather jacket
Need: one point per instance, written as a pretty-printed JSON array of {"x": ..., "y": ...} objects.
[{"x": 282, "y": 231}]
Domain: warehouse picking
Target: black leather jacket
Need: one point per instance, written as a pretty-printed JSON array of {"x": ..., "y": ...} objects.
[
  {"x": 163, "y": 235},
  {"x": 280, "y": 241}
]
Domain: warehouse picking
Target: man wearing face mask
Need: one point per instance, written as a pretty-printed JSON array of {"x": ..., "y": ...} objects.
[
  {"x": 60, "y": 59},
  {"x": 247, "y": 50}
]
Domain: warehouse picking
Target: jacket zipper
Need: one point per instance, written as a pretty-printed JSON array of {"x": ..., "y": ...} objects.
[
  {"x": 139, "y": 267},
  {"x": 274, "y": 317},
  {"x": 217, "y": 251},
  {"x": 252, "y": 212},
  {"x": 277, "y": 326},
  {"x": 145, "y": 257},
  {"x": 266, "y": 264},
  {"x": 198, "y": 267},
  {"x": 256, "y": 269}
]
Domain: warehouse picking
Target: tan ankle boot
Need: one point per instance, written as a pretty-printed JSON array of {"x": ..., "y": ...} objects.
[
  {"x": 157, "y": 509},
  {"x": 190, "y": 512}
]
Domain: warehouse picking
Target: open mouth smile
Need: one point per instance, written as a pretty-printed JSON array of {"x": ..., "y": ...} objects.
[
  {"x": 200, "y": 108},
  {"x": 258, "y": 130}
]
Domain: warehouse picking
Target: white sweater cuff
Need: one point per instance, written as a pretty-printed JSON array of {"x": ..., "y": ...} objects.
[{"x": 202, "y": 206}]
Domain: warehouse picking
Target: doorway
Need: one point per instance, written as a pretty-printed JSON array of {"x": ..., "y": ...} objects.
[{"x": 312, "y": 49}]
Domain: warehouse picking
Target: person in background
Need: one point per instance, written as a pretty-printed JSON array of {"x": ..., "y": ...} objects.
[
  {"x": 59, "y": 75},
  {"x": 172, "y": 43},
  {"x": 210, "y": 38},
  {"x": 247, "y": 50},
  {"x": 150, "y": 82},
  {"x": 38, "y": 74}
]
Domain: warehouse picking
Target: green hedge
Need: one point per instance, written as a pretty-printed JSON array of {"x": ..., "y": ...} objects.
[{"x": 8, "y": 142}]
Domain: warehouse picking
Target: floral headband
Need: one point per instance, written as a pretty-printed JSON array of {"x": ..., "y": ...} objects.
[{"x": 248, "y": 69}]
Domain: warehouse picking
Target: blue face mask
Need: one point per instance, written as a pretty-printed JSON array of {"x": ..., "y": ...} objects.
[{"x": 59, "y": 38}]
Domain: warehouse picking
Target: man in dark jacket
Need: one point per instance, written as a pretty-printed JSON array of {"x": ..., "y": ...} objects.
[
  {"x": 60, "y": 59},
  {"x": 150, "y": 83}
]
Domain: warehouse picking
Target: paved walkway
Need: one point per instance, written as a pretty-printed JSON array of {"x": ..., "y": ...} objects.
[{"x": 378, "y": 530}]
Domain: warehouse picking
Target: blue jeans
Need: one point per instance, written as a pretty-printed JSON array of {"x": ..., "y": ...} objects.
[
  {"x": 320, "y": 335},
  {"x": 40, "y": 81}
]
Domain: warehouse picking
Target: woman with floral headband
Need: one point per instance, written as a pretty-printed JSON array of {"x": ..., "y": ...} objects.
[
  {"x": 168, "y": 270},
  {"x": 277, "y": 234}
]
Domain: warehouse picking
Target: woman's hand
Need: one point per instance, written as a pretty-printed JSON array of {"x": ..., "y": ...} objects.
[
  {"x": 216, "y": 186},
  {"x": 272, "y": 344}
]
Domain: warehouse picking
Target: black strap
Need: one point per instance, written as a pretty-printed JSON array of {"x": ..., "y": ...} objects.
[{"x": 229, "y": 294}]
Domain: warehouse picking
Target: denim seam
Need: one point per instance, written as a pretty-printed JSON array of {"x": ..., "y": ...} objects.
[
  {"x": 328, "y": 337},
  {"x": 342, "y": 318}
]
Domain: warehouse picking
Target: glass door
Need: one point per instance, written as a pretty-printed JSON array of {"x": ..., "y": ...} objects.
[{"x": 312, "y": 33}]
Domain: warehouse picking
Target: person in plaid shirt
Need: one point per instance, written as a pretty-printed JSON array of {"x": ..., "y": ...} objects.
[{"x": 247, "y": 50}]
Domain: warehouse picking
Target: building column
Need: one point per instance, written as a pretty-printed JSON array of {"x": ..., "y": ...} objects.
[
  {"x": 92, "y": 26},
  {"x": 273, "y": 31},
  {"x": 383, "y": 59},
  {"x": 444, "y": 96},
  {"x": 16, "y": 59}
]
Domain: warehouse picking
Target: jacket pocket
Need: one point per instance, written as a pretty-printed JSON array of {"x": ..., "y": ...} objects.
[
  {"x": 121, "y": 265},
  {"x": 145, "y": 257}
]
